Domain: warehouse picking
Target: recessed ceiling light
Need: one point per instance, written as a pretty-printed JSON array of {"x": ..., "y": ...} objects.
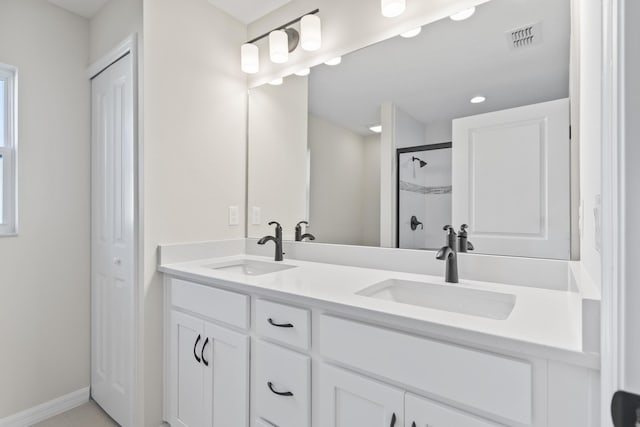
[
  {"x": 376, "y": 128},
  {"x": 463, "y": 14},
  {"x": 276, "y": 82},
  {"x": 478, "y": 99},
  {"x": 303, "y": 72},
  {"x": 393, "y": 8},
  {"x": 334, "y": 61},
  {"x": 411, "y": 33}
]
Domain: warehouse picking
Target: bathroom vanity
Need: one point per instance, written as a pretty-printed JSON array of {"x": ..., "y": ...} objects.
[{"x": 253, "y": 342}]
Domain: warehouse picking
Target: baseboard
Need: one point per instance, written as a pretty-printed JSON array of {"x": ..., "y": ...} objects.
[{"x": 47, "y": 410}]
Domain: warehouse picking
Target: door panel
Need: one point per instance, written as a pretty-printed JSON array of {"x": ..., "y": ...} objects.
[
  {"x": 187, "y": 373},
  {"x": 347, "y": 400},
  {"x": 420, "y": 412},
  {"x": 226, "y": 392},
  {"x": 113, "y": 241},
  {"x": 511, "y": 180}
]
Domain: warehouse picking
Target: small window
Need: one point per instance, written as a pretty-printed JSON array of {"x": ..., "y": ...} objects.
[{"x": 8, "y": 145}]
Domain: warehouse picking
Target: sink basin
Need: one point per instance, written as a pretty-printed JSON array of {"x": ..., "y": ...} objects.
[
  {"x": 475, "y": 302},
  {"x": 248, "y": 267}
]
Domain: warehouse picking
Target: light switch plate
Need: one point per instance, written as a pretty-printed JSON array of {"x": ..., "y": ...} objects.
[
  {"x": 234, "y": 215},
  {"x": 256, "y": 215}
]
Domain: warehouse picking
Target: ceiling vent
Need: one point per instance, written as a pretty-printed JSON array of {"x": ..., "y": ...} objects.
[{"x": 526, "y": 36}]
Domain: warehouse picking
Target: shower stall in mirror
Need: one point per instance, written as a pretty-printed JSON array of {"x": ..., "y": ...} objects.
[{"x": 423, "y": 195}]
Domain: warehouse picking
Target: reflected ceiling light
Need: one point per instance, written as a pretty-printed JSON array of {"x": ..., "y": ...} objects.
[
  {"x": 310, "y": 33},
  {"x": 278, "y": 46},
  {"x": 392, "y": 8},
  {"x": 303, "y": 72},
  {"x": 411, "y": 33},
  {"x": 249, "y": 58},
  {"x": 276, "y": 82},
  {"x": 376, "y": 128},
  {"x": 463, "y": 14},
  {"x": 478, "y": 99},
  {"x": 334, "y": 61},
  {"x": 282, "y": 41}
]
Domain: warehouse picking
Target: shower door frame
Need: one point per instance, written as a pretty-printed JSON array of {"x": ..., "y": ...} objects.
[{"x": 399, "y": 151}]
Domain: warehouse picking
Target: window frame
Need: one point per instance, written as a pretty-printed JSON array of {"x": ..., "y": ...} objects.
[{"x": 9, "y": 152}]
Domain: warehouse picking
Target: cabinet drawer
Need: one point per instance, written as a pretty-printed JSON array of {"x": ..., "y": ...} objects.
[
  {"x": 282, "y": 385},
  {"x": 228, "y": 307},
  {"x": 289, "y": 325},
  {"x": 491, "y": 383},
  {"x": 425, "y": 413}
]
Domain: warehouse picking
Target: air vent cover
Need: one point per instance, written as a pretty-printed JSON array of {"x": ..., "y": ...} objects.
[{"x": 526, "y": 36}]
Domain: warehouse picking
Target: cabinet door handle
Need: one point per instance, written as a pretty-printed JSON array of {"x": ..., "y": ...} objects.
[
  {"x": 279, "y": 393},
  {"x": 206, "y": 362},
  {"x": 279, "y": 325},
  {"x": 195, "y": 354},
  {"x": 393, "y": 420}
]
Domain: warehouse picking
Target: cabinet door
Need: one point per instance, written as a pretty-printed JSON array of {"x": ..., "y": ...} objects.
[
  {"x": 420, "y": 412},
  {"x": 225, "y": 355},
  {"x": 348, "y": 400},
  {"x": 187, "y": 371}
]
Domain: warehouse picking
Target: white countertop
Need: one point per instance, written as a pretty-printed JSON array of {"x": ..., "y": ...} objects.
[{"x": 547, "y": 322}]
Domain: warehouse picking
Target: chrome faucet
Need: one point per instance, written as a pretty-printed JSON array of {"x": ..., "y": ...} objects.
[
  {"x": 449, "y": 254},
  {"x": 464, "y": 244},
  {"x": 277, "y": 240},
  {"x": 299, "y": 236}
]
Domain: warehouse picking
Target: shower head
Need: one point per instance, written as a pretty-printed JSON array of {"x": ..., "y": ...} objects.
[{"x": 422, "y": 162}]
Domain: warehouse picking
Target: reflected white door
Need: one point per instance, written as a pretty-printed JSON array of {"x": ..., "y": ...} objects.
[
  {"x": 113, "y": 241},
  {"x": 511, "y": 180}
]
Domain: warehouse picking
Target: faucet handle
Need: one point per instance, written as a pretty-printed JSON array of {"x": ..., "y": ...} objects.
[
  {"x": 450, "y": 229},
  {"x": 302, "y": 222},
  {"x": 463, "y": 230},
  {"x": 277, "y": 224}
]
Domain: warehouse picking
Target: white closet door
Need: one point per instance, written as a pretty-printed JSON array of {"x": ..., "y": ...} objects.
[
  {"x": 113, "y": 241},
  {"x": 511, "y": 180}
]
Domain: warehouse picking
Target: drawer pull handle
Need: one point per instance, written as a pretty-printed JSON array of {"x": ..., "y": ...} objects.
[
  {"x": 279, "y": 393},
  {"x": 279, "y": 325},
  {"x": 206, "y": 362},
  {"x": 195, "y": 354},
  {"x": 393, "y": 420}
]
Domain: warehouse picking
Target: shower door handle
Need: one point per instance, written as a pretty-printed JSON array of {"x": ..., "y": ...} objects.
[{"x": 415, "y": 223}]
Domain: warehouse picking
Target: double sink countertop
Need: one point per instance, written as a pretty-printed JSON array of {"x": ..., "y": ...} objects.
[{"x": 543, "y": 323}]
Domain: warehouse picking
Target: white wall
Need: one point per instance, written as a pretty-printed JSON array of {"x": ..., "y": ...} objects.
[
  {"x": 337, "y": 175},
  {"x": 44, "y": 271},
  {"x": 371, "y": 191},
  {"x": 277, "y": 159},
  {"x": 590, "y": 133},
  {"x": 195, "y": 99},
  {"x": 346, "y": 26}
]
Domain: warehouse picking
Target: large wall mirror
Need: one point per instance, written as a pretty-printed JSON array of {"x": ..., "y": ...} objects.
[{"x": 467, "y": 122}]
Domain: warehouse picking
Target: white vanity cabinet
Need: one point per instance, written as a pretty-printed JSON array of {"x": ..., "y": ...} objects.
[
  {"x": 288, "y": 365},
  {"x": 208, "y": 368},
  {"x": 348, "y": 399}
]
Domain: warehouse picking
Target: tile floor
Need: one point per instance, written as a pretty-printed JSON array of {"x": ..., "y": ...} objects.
[{"x": 87, "y": 415}]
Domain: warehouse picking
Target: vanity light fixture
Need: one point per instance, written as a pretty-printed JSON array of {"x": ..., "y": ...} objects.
[
  {"x": 303, "y": 72},
  {"x": 411, "y": 33},
  {"x": 463, "y": 14},
  {"x": 279, "y": 46},
  {"x": 284, "y": 40},
  {"x": 310, "y": 33},
  {"x": 250, "y": 61},
  {"x": 276, "y": 82},
  {"x": 392, "y": 8},
  {"x": 376, "y": 129},
  {"x": 478, "y": 99},
  {"x": 334, "y": 61}
]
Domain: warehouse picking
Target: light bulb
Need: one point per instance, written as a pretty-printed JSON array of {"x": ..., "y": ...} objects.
[
  {"x": 334, "y": 61},
  {"x": 463, "y": 14},
  {"x": 310, "y": 33},
  {"x": 303, "y": 72},
  {"x": 392, "y": 8},
  {"x": 250, "y": 62},
  {"x": 478, "y": 99},
  {"x": 411, "y": 33},
  {"x": 279, "y": 47}
]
